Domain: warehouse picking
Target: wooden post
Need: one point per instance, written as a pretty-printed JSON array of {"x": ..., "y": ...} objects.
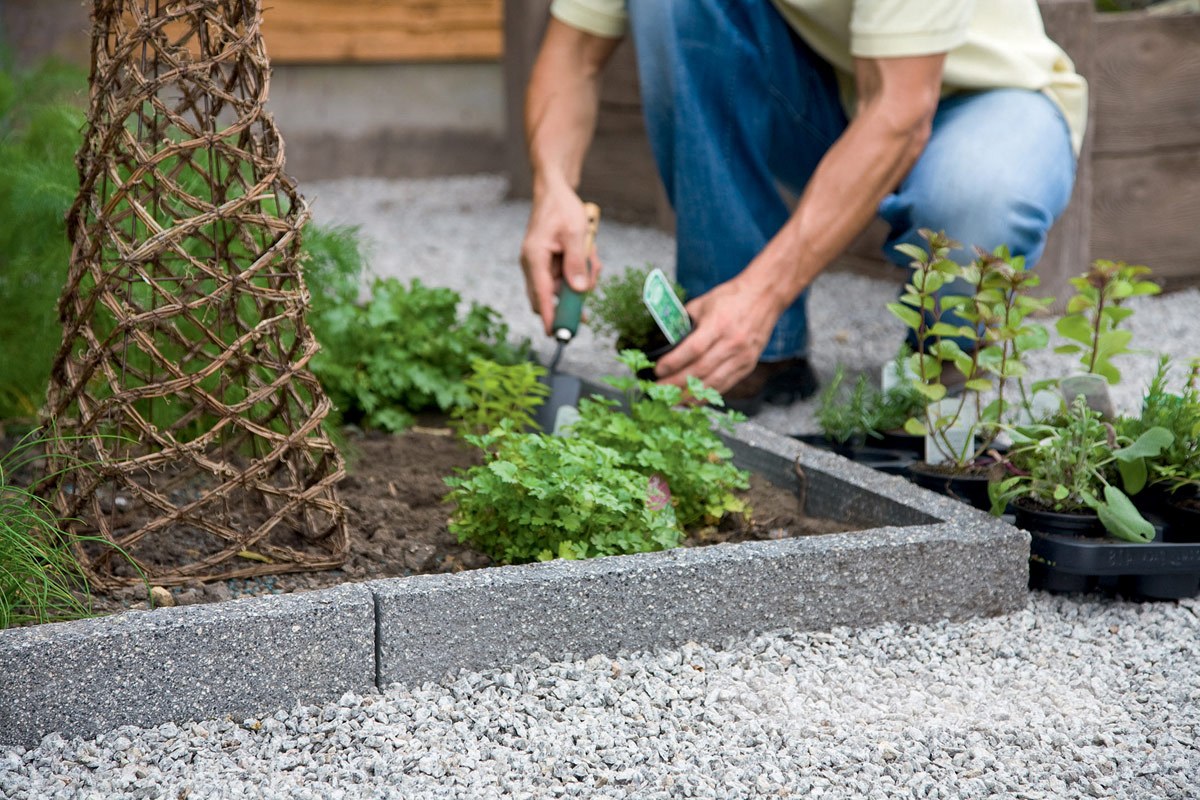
[
  {"x": 1068, "y": 252},
  {"x": 524, "y": 25}
]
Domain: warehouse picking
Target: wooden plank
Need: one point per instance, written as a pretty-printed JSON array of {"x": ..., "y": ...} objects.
[
  {"x": 1146, "y": 81},
  {"x": 1147, "y": 211},
  {"x": 1070, "y": 23},
  {"x": 308, "y": 31}
]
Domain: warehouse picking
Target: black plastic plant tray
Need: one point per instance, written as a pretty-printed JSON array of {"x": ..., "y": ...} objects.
[{"x": 1161, "y": 570}]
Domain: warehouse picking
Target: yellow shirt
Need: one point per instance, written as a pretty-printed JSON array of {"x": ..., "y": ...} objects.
[{"x": 988, "y": 44}]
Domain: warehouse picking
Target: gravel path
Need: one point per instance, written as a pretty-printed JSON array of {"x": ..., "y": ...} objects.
[
  {"x": 1072, "y": 697},
  {"x": 1068, "y": 698}
]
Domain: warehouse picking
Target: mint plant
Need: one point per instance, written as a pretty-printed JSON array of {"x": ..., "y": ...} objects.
[
  {"x": 406, "y": 349},
  {"x": 1095, "y": 313},
  {"x": 499, "y": 392},
  {"x": 540, "y": 497},
  {"x": 1074, "y": 464},
  {"x": 993, "y": 319}
]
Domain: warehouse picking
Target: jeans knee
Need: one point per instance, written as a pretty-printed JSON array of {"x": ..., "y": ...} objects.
[{"x": 983, "y": 216}]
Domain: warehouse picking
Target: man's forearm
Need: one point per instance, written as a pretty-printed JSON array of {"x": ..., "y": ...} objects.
[
  {"x": 561, "y": 104},
  {"x": 868, "y": 162}
]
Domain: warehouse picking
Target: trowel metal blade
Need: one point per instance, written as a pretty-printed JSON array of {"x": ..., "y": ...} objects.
[{"x": 559, "y": 410}]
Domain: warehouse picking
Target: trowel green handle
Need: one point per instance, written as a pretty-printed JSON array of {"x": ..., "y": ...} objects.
[
  {"x": 567, "y": 312},
  {"x": 570, "y": 302}
]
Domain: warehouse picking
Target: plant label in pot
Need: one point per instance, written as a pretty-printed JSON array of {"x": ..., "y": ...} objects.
[
  {"x": 665, "y": 307},
  {"x": 1094, "y": 389},
  {"x": 959, "y": 437},
  {"x": 896, "y": 376}
]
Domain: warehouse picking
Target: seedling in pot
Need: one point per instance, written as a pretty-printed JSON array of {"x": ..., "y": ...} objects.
[
  {"x": 618, "y": 310},
  {"x": 993, "y": 321},
  {"x": 1092, "y": 323},
  {"x": 1075, "y": 463},
  {"x": 1176, "y": 469}
]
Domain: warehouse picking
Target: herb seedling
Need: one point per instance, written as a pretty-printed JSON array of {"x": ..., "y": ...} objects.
[
  {"x": 1074, "y": 463},
  {"x": 993, "y": 322},
  {"x": 499, "y": 392},
  {"x": 617, "y": 309},
  {"x": 1095, "y": 313}
]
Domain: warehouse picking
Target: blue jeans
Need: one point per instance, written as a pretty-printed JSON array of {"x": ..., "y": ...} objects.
[{"x": 736, "y": 104}]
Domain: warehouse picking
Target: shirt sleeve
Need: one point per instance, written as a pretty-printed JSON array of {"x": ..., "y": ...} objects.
[
  {"x": 605, "y": 18},
  {"x": 896, "y": 28}
]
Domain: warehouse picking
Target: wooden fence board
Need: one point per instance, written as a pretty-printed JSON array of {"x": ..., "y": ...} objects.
[
  {"x": 1146, "y": 210},
  {"x": 308, "y": 31},
  {"x": 1146, "y": 81}
]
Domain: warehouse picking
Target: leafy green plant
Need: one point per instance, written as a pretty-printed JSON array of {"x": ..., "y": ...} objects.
[
  {"x": 617, "y": 309},
  {"x": 499, "y": 392},
  {"x": 992, "y": 318},
  {"x": 617, "y": 483},
  {"x": 1074, "y": 463},
  {"x": 1178, "y": 464},
  {"x": 1095, "y": 313},
  {"x": 865, "y": 412},
  {"x": 540, "y": 497},
  {"x": 661, "y": 437},
  {"x": 40, "y": 124},
  {"x": 406, "y": 349}
]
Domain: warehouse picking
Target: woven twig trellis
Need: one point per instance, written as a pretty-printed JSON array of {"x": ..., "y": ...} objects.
[{"x": 190, "y": 425}]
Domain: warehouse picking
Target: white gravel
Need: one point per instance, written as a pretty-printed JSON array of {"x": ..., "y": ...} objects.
[
  {"x": 1068, "y": 698},
  {"x": 1072, "y": 697}
]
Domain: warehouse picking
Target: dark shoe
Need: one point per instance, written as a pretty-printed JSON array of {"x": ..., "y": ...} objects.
[{"x": 779, "y": 383}]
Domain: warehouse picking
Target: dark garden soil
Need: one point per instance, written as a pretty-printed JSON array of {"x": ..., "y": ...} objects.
[{"x": 398, "y": 523}]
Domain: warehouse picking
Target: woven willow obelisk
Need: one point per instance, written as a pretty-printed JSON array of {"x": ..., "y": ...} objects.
[{"x": 190, "y": 424}]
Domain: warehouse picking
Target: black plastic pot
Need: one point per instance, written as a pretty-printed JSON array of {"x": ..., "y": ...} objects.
[
  {"x": 968, "y": 487},
  {"x": 1183, "y": 520},
  {"x": 1070, "y": 523},
  {"x": 891, "y": 462},
  {"x": 900, "y": 442},
  {"x": 1072, "y": 553},
  {"x": 655, "y": 348}
]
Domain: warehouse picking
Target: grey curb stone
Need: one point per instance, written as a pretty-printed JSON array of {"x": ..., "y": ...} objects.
[
  {"x": 943, "y": 560},
  {"x": 242, "y": 658}
]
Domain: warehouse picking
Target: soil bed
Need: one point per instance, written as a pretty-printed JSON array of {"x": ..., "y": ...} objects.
[{"x": 397, "y": 519}]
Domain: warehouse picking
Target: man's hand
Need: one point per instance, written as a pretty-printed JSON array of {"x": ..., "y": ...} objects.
[
  {"x": 733, "y": 324},
  {"x": 553, "y": 250},
  {"x": 560, "y": 116}
]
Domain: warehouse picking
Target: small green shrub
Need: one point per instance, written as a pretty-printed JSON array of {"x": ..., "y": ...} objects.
[
  {"x": 617, "y": 483},
  {"x": 405, "y": 350},
  {"x": 617, "y": 309},
  {"x": 499, "y": 392},
  {"x": 660, "y": 437},
  {"x": 540, "y": 497}
]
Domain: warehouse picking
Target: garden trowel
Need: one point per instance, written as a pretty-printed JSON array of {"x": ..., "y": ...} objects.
[{"x": 559, "y": 409}]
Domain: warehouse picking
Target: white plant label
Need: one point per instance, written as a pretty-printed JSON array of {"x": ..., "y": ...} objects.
[
  {"x": 959, "y": 437},
  {"x": 893, "y": 377},
  {"x": 1094, "y": 389}
]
